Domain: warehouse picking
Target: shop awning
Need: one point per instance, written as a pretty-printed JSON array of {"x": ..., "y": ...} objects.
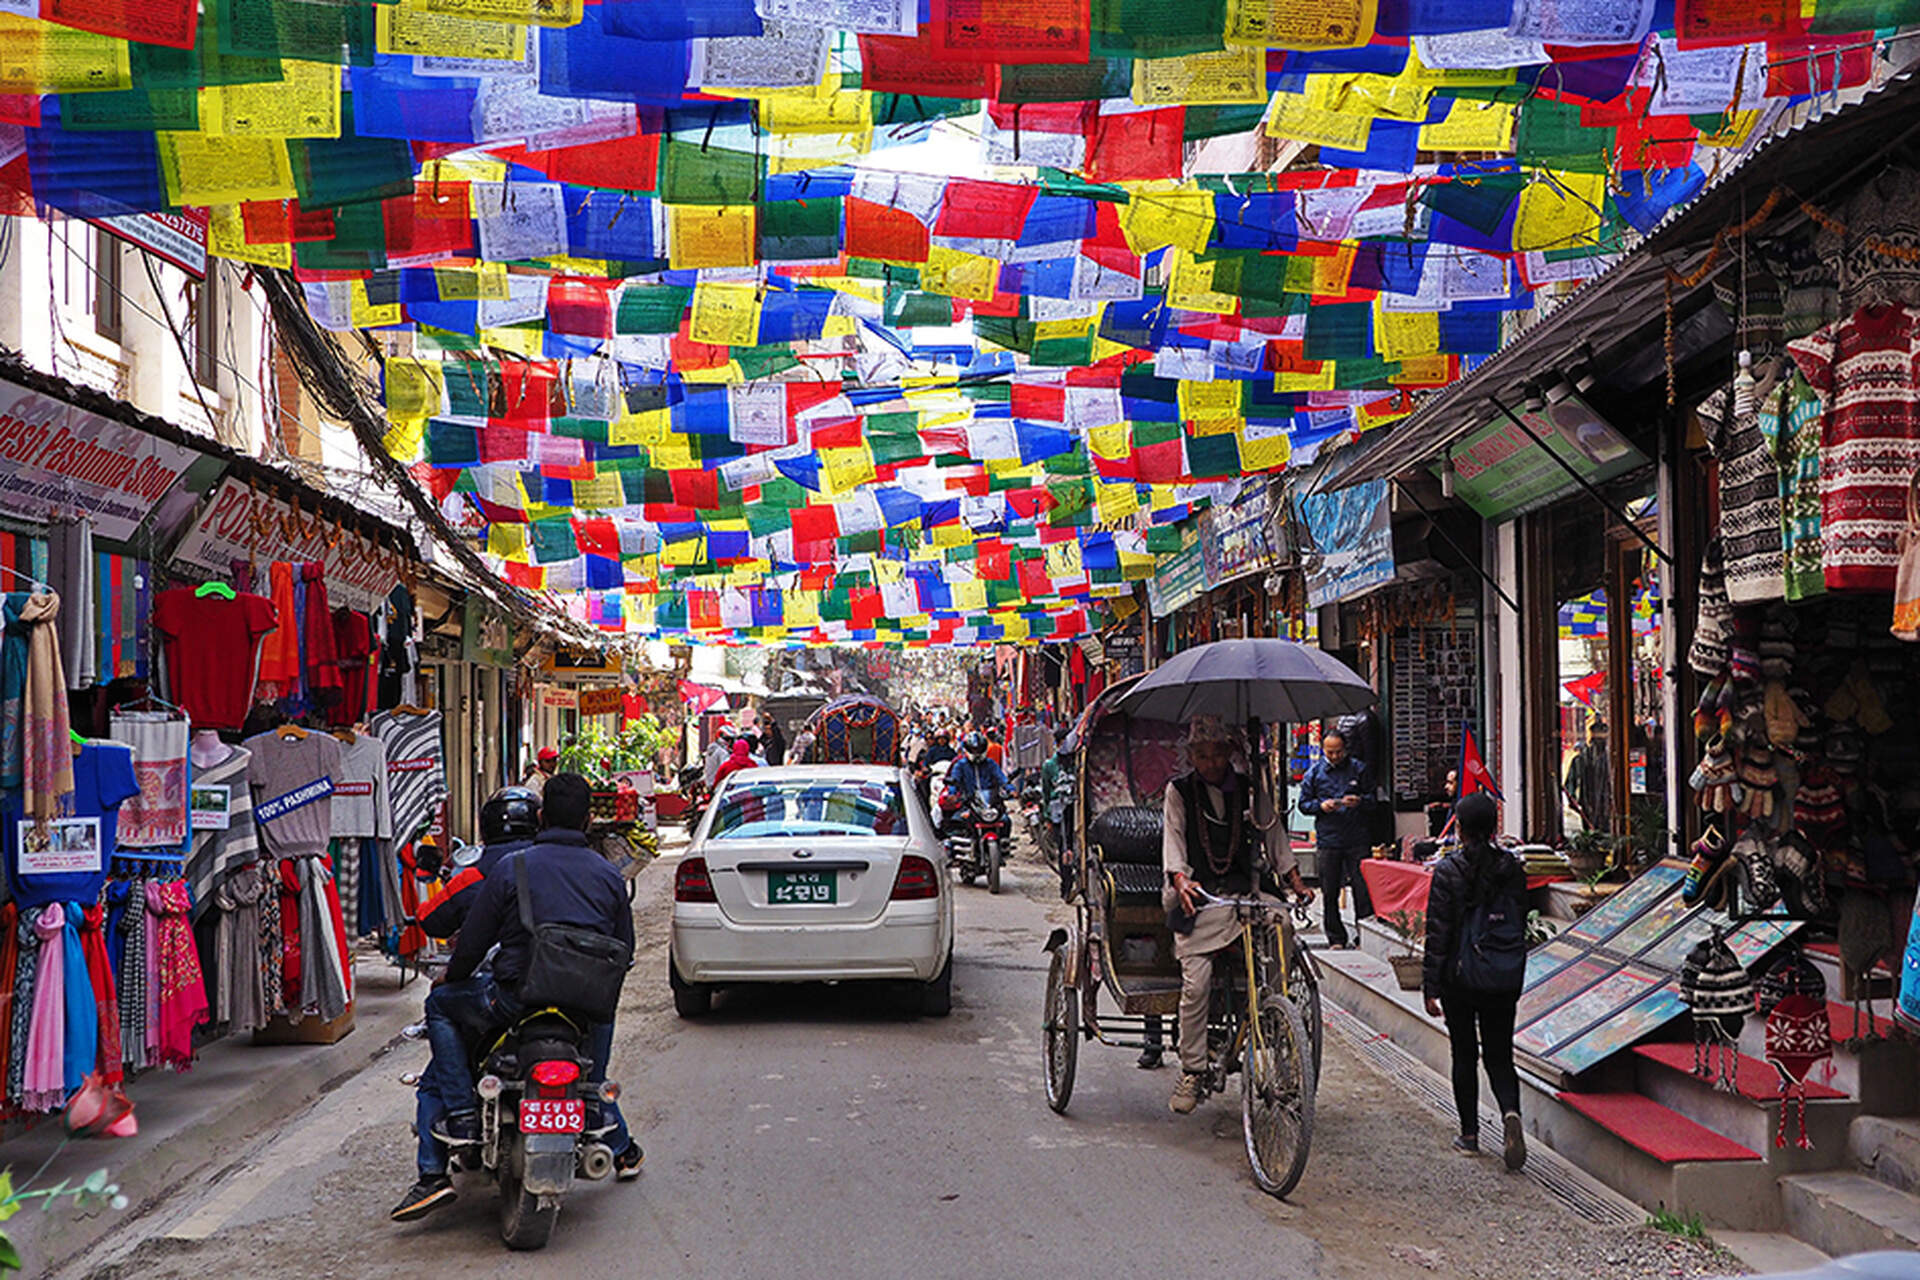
[{"x": 1831, "y": 149}]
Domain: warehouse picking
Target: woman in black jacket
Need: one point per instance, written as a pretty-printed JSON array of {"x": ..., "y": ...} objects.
[{"x": 1478, "y": 873}]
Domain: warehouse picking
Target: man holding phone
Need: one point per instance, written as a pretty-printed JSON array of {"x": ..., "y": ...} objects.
[{"x": 1336, "y": 792}]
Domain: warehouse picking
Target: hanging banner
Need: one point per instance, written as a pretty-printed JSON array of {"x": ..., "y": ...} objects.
[
  {"x": 240, "y": 523},
  {"x": 61, "y": 459},
  {"x": 179, "y": 238},
  {"x": 555, "y": 699},
  {"x": 600, "y": 702},
  {"x": 1233, "y": 537},
  {"x": 1501, "y": 472},
  {"x": 1350, "y": 537},
  {"x": 1181, "y": 577}
]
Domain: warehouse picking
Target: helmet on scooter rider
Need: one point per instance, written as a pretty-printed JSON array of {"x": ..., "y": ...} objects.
[
  {"x": 511, "y": 813},
  {"x": 975, "y": 745}
]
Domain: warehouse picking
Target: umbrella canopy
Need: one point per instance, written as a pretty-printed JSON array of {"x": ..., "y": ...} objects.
[{"x": 1277, "y": 680}]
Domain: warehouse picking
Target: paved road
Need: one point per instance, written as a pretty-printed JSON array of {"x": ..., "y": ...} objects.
[{"x": 822, "y": 1131}]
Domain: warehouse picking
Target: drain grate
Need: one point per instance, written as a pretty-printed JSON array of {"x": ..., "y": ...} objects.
[{"x": 1560, "y": 1179}]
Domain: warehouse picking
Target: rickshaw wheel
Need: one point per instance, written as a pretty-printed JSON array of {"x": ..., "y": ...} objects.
[
  {"x": 1301, "y": 966},
  {"x": 1061, "y": 1035},
  {"x": 1276, "y": 1098}
]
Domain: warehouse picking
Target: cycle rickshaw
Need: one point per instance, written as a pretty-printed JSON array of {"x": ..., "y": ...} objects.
[{"x": 1265, "y": 1020}]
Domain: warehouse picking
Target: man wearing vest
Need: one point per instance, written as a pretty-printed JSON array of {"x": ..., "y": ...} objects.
[{"x": 1210, "y": 843}]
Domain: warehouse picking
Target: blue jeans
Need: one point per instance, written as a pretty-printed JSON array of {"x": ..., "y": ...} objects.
[{"x": 458, "y": 1013}]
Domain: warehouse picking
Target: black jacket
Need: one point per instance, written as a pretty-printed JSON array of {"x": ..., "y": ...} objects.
[
  {"x": 443, "y": 914},
  {"x": 570, "y": 884},
  {"x": 1455, "y": 892}
]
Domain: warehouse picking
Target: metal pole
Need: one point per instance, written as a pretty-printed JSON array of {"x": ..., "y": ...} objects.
[
  {"x": 1486, "y": 577},
  {"x": 1581, "y": 480}
]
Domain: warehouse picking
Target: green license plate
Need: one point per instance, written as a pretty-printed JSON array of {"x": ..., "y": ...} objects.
[{"x": 793, "y": 887}]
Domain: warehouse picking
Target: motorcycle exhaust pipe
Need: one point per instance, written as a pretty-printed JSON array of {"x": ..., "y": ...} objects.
[{"x": 596, "y": 1162}]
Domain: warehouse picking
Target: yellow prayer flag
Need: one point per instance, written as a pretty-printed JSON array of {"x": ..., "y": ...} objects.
[
  {"x": 711, "y": 235},
  {"x": 1115, "y": 502},
  {"x": 364, "y": 313},
  {"x": 1560, "y": 213},
  {"x": 541, "y": 13},
  {"x": 1396, "y": 97},
  {"x": 647, "y": 428},
  {"x": 412, "y": 389},
  {"x": 1301, "y": 24},
  {"x": 1232, "y": 75},
  {"x": 959, "y": 274},
  {"x": 844, "y": 470},
  {"x": 199, "y": 169},
  {"x": 674, "y": 452},
  {"x": 800, "y": 607},
  {"x": 1112, "y": 441},
  {"x": 1209, "y": 399},
  {"x": 1320, "y": 379},
  {"x": 305, "y": 103},
  {"x": 1264, "y": 450},
  {"x": 1162, "y": 214},
  {"x": 1471, "y": 126},
  {"x": 1331, "y": 271},
  {"x": 507, "y": 541},
  {"x": 404, "y": 29},
  {"x": 1422, "y": 371},
  {"x": 824, "y": 108},
  {"x": 1398, "y": 335},
  {"x": 725, "y": 312},
  {"x": 1317, "y": 116},
  {"x": 1190, "y": 287},
  {"x": 403, "y": 441},
  {"x": 955, "y": 534},
  {"x": 969, "y": 594},
  {"x": 601, "y": 493},
  {"x": 227, "y": 238},
  {"x": 40, "y": 57},
  {"x": 683, "y": 552}
]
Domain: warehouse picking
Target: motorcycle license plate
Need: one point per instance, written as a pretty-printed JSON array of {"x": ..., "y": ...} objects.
[
  {"x": 794, "y": 887},
  {"x": 553, "y": 1115}
]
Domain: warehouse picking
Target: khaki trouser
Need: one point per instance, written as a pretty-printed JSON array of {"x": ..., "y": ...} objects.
[{"x": 1216, "y": 935}]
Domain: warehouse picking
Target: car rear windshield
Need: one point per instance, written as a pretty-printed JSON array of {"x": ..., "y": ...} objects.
[{"x": 753, "y": 808}]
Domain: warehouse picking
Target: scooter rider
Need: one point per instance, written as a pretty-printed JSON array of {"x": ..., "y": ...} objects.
[
  {"x": 570, "y": 884},
  {"x": 508, "y": 822},
  {"x": 975, "y": 771}
]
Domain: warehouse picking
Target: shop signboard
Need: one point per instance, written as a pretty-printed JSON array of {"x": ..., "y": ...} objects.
[
  {"x": 58, "y": 458},
  {"x": 1181, "y": 577},
  {"x": 1233, "y": 536},
  {"x": 240, "y": 523},
  {"x": 1351, "y": 535},
  {"x": 1501, "y": 472},
  {"x": 600, "y": 702},
  {"x": 179, "y": 237},
  {"x": 554, "y": 698},
  {"x": 566, "y": 660}
]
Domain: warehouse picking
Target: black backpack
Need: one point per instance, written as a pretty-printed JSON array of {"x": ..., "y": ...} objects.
[
  {"x": 1490, "y": 955},
  {"x": 573, "y": 969}
]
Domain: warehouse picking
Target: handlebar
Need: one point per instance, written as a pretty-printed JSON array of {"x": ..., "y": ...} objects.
[{"x": 1295, "y": 904}]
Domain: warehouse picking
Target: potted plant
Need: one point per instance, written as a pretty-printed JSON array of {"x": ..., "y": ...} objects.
[
  {"x": 1588, "y": 852},
  {"x": 1409, "y": 964}
]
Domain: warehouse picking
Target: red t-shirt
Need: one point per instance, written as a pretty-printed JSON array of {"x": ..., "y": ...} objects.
[{"x": 210, "y": 642}]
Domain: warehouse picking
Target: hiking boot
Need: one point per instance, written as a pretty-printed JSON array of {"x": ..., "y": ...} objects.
[
  {"x": 1149, "y": 1060},
  {"x": 1467, "y": 1144},
  {"x": 1515, "y": 1149},
  {"x": 626, "y": 1165},
  {"x": 428, "y": 1194},
  {"x": 1186, "y": 1094}
]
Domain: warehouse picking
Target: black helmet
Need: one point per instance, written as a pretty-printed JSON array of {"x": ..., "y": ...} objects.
[
  {"x": 974, "y": 744},
  {"x": 511, "y": 813}
]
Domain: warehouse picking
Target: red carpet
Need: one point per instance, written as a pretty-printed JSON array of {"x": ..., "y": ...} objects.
[
  {"x": 1662, "y": 1133},
  {"x": 1755, "y": 1079}
]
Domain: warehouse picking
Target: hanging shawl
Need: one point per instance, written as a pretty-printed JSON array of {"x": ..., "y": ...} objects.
[
  {"x": 133, "y": 973},
  {"x": 1866, "y": 934},
  {"x": 240, "y": 1002},
  {"x": 9, "y": 963},
  {"x": 333, "y": 920},
  {"x": 267, "y": 944},
  {"x": 44, "y": 1088},
  {"x": 182, "y": 988},
  {"x": 36, "y": 751},
  {"x": 82, "y": 1012},
  {"x": 322, "y": 981},
  {"x": 324, "y": 685},
  {"x": 1716, "y": 988},
  {"x": 93, "y": 939},
  {"x": 1799, "y": 1034},
  {"x": 26, "y": 975},
  {"x": 293, "y": 933}
]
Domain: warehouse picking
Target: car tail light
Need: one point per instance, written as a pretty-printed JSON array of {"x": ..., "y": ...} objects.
[
  {"x": 691, "y": 883},
  {"x": 916, "y": 881},
  {"x": 553, "y": 1077}
]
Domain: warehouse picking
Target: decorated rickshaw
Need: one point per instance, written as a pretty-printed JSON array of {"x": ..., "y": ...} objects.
[
  {"x": 855, "y": 728},
  {"x": 1265, "y": 1021}
]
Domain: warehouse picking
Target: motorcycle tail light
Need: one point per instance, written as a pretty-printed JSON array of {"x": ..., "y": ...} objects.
[
  {"x": 556, "y": 1071},
  {"x": 916, "y": 881},
  {"x": 489, "y": 1087},
  {"x": 691, "y": 883}
]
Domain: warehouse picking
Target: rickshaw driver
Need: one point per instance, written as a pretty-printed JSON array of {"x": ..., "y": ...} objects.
[{"x": 1210, "y": 842}]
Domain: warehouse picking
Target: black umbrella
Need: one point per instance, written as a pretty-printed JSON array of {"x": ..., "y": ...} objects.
[{"x": 1276, "y": 680}]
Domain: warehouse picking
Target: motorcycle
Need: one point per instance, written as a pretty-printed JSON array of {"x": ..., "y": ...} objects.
[
  {"x": 540, "y": 1122},
  {"x": 977, "y": 836}
]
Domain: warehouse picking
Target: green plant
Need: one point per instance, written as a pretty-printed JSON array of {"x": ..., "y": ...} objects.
[
  {"x": 1411, "y": 926},
  {"x": 1685, "y": 1225},
  {"x": 1539, "y": 928},
  {"x": 1590, "y": 842},
  {"x": 92, "y": 1192}
]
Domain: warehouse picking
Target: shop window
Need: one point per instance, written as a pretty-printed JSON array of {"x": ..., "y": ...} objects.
[{"x": 106, "y": 285}]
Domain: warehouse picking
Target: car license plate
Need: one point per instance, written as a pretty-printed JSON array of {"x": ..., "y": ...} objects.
[
  {"x": 553, "y": 1115},
  {"x": 793, "y": 887}
]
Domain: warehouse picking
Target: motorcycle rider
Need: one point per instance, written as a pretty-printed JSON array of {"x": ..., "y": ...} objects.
[
  {"x": 508, "y": 822},
  {"x": 975, "y": 771},
  {"x": 570, "y": 884}
]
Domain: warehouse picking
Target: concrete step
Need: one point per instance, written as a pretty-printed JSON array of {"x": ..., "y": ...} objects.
[
  {"x": 1888, "y": 1148},
  {"x": 1751, "y": 1116},
  {"x": 1770, "y": 1252},
  {"x": 1844, "y": 1213}
]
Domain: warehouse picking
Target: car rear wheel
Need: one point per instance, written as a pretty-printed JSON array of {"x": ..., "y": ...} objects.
[
  {"x": 936, "y": 997},
  {"x": 690, "y": 999}
]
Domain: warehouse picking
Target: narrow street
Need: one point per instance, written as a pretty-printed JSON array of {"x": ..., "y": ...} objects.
[{"x": 801, "y": 1131}]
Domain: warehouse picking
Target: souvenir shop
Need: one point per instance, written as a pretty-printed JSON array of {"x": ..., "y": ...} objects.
[{"x": 213, "y": 759}]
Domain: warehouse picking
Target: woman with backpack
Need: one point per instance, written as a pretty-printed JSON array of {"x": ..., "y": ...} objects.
[{"x": 1476, "y": 959}]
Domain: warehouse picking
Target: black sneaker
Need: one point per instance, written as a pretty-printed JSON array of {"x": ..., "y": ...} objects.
[
  {"x": 428, "y": 1194},
  {"x": 459, "y": 1128},
  {"x": 626, "y": 1165},
  {"x": 1149, "y": 1059},
  {"x": 1467, "y": 1144}
]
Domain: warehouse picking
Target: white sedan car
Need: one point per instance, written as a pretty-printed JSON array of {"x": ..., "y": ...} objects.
[{"x": 813, "y": 873}]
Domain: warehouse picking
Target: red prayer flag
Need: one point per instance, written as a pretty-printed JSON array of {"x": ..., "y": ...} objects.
[
  {"x": 984, "y": 210},
  {"x": 697, "y": 489},
  {"x": 1011, "y": 32},
  {"x": 913, "y": 65},
  {"x": 1474, "y": 774},
  {"x": 1136, "y": 145},
  {"x": 891, "y": 235},
  {"x": 164, "y": 22}
]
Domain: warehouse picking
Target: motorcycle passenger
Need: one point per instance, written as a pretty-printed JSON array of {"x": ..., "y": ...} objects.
[
  {"x": 570, "y": 884},
  {"x": 974, "y": 772},
  {"x": 508, "y": 822},
  {"x": 1210, "y": 842}
]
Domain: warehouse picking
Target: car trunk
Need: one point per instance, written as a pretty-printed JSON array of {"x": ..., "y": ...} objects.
[{"x": 797, "y": 880}]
